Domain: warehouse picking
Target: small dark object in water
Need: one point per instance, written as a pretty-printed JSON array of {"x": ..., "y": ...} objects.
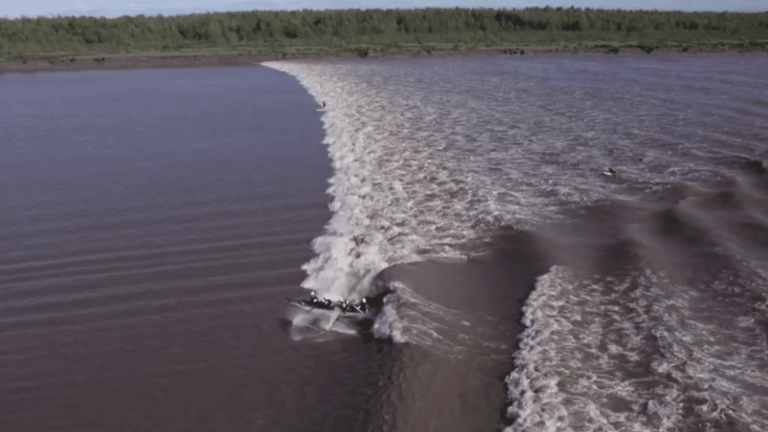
[
  {"x": 323, "y": 104},
  {"x": 755, "y": 167},
  {"x": 363, "y": 307},
  {"x": 610, "y": 172},
  {"x": 347, "y": 307},
  {"x": 313, "y": 303}
]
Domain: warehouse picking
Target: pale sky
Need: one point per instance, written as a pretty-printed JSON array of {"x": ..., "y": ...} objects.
[{"x": 111, "y": 8}]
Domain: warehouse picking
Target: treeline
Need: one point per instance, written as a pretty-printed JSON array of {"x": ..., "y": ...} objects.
[{"x": 277, "y": 30}]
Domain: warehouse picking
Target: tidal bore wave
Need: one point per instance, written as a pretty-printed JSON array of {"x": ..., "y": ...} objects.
[{"x": 645, "y": 300}]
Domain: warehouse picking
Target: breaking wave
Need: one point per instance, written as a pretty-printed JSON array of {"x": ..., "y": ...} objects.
[{"x": 652, "y": 313}]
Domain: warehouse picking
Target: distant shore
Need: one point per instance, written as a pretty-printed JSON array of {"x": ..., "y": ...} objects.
[
  {"x": 77, "y": 43},
  {"x": 128, "y": 62},
  {"x": 187, "y": 59}
]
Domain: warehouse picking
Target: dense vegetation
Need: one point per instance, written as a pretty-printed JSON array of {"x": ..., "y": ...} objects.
[{"x": 372, "y": 31}]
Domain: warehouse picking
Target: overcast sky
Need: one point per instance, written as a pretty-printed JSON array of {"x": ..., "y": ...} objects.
[{"x": 32, "y": 8}]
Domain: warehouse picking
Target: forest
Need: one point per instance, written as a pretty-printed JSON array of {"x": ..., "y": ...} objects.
[{"x": 374, "y": 32}]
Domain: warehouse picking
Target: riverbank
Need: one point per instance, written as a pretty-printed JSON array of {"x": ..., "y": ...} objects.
[
  {"x": 73, "y": 43},
  {"x": 73, "y": 63},
  {"x": 193, "y": 58}
]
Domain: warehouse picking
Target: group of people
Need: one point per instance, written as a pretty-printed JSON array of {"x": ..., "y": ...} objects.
[{"x": 345, "y": 306}]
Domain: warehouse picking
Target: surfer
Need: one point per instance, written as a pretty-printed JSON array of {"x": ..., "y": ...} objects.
[
  {"x": 611, "y": 172},
  {"x": 323, "y": 104}
]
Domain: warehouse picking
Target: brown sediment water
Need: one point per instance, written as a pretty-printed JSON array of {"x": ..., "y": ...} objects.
[
  {"x": 155, "y": 220},
  {"x": 478, "y": 181},
  {"x": 152, "y": 223}
]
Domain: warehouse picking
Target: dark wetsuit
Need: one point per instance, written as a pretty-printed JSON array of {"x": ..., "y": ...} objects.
[{"x": 314, "y": 301}]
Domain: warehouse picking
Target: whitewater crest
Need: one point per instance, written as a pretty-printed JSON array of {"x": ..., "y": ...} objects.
[
  {"x": 409, "y": 183},
  {"x": 388, "y": 206},
  {"x": 361, "y": 239}
]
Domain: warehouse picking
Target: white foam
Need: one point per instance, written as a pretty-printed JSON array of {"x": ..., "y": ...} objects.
[
  {"x": 630, "y": 355},
  {"x": 426, "y": 162},
  {"x": 387, "y": 323},
  {"x": 384, "y": 206},
  {"x": 409, "y": 183},
  {"x": 421, "y": 174},
  {"x": 317, "y": 323}
]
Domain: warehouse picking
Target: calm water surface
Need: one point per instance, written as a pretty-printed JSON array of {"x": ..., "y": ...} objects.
[{"x": 152, "y": 223}]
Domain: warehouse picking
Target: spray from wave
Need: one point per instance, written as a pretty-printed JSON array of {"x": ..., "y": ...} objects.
[{"x": 389, "y": 204}]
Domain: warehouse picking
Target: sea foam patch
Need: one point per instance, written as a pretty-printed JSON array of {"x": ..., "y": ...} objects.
[{"x": 630, "y": 354}]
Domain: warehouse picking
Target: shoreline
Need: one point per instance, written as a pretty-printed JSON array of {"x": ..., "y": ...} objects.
[
  {"x": 231, "y": 38},
  {"x": 202, "y": 59},
  {"x": 134, "y": 62}
]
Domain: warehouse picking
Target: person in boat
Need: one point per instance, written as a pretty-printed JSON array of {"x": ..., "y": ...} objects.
[
  {"x": 363, "y": 307},
  {"x": 348, "y": 307},
  {"x": 316, "y": 302}
]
